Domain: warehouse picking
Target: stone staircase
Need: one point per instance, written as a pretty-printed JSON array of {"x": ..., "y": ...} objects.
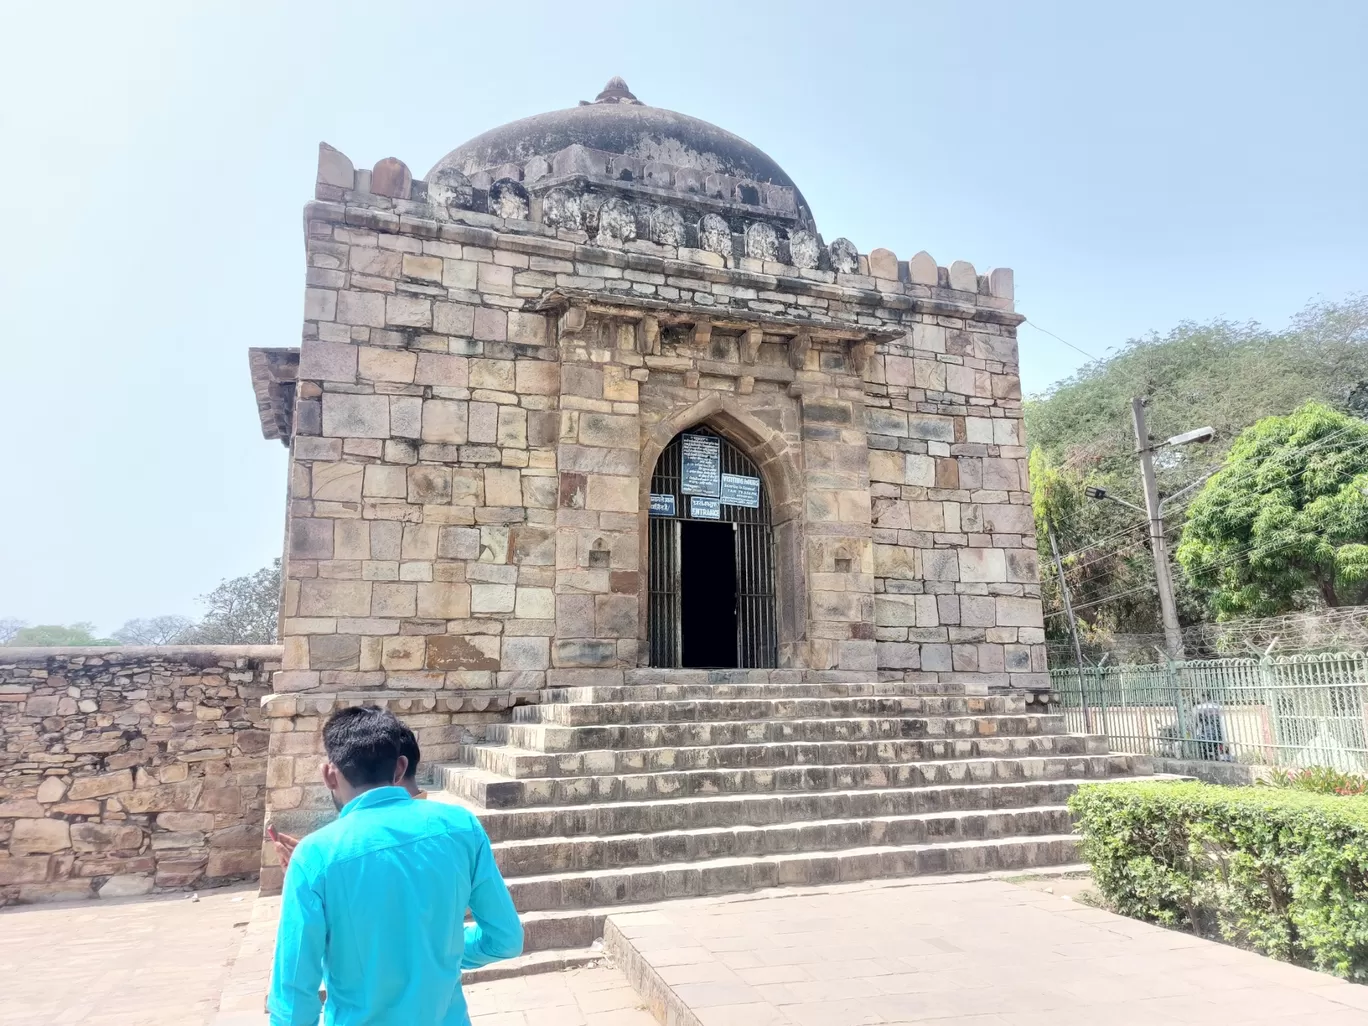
[{"x": 704, "y": 784}]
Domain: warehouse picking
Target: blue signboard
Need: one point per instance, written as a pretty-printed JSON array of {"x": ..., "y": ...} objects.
[
  {"x": 662, "y": 505},
  {"x": 701, "y": 464},
  {"x": 741, "y": 491},
  {"x": 703, "y": 507}
]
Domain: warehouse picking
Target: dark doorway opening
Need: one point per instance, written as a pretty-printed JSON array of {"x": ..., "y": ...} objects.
[
  {"x": 707, "y": 563},
  {"x": 710, "y": 561}
]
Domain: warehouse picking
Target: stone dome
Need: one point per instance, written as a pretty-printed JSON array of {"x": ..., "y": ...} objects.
[{"x": 617, "y": 122}]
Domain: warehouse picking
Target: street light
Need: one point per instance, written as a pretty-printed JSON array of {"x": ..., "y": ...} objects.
[{"x": 1101, "y": 493}]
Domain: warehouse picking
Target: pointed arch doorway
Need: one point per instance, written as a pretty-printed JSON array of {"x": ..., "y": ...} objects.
[{"x": 710, "y": 557}]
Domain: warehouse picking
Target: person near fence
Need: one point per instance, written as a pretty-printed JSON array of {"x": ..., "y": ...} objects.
[{"x": 1209, "y": 730}]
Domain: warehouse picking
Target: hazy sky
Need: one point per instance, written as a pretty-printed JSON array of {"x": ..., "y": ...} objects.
[{"x": 1136, "y": 164}]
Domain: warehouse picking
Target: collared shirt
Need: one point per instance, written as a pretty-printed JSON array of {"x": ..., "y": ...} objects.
[{"x": 374, "y": 907}]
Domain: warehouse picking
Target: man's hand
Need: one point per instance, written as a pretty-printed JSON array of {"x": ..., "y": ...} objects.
[{"x": 284, "y": 845}]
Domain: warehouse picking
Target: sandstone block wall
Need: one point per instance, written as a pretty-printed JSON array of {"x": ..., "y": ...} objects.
[
  {"x": 489, "y": 367},
  {"x": 956, "y": 569},
  {"x": 124, "y": 770}
]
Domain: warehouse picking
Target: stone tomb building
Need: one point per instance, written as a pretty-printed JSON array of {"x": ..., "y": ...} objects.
[{"x": 596, "y": 396}]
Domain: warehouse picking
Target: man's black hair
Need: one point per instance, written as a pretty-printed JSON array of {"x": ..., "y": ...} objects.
[
  {"x": 408, "y": 748},
  {"x": 364, "y": 743}
]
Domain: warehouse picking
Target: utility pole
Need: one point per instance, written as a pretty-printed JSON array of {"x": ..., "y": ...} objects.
[
  {"x": 1154, "y": 513},
  {"x": 1173, "y": 634}
]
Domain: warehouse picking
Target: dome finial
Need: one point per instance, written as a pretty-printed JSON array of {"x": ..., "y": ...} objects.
[{"x": 616, "y": 91}]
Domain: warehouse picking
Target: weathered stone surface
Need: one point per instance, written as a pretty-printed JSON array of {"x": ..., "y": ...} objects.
[
  {"x": 106, "y": 837},
  {"x": 39, "y": 836},
  {"x": 391, "y": 177},
  {"x": 22, "y": 808},
  {"x": 845, "y": 258},
  {"x": 52, "y": 789},
  {"x": 334, "y": 168},
  {"x": 355, "y": 416},
  {"x": 101, "y": 786},
  {"x": 126, "y": 886},
  {"x": 883, "y": 263},
  {"x": 922, "y": 270},
  {"x": 963, "y": 276}
]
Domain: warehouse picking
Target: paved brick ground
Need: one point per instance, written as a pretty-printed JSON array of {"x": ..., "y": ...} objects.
[
  {"x": 984, "y": 953},
  {"x": 142, "y": 962}
]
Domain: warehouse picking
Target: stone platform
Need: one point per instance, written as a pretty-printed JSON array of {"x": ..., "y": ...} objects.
[
  {"x": 980, "y": 953},
  {"x": 691, "y": 785}
]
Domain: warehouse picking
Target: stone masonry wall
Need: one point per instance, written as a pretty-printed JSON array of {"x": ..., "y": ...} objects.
[
  {"x": 489, "y": 366},
  {"x": 127, "y": 770},
  {"x": 956, "y": 568}
]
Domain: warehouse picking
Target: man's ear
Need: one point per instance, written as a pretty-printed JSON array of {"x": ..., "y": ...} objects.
[
  {"x": 331, "y": 776},
  {"x": 400, "y": 768}
]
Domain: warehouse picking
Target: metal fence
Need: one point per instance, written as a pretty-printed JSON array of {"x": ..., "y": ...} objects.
[{"x": 1301, "y": 711}]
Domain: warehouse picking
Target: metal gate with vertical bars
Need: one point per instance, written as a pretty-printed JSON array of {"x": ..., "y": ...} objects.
[{"x": 756, "y": 626}]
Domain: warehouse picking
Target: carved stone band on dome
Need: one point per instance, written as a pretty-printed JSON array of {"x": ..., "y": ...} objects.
[{"x": 638, "y": 143}]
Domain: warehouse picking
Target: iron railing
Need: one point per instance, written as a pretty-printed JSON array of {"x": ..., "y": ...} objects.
[{"x": 1296, "y": 711}]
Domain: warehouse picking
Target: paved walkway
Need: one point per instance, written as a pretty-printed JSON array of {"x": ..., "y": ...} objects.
[
  {"x": 139, "y": 962},
  {"x": 984, "y": 953},
  {"x": 596, "y": 996},
  {"x": 939, "y": 953}
]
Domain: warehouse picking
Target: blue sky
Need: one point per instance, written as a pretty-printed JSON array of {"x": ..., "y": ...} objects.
[{"x": 1137, "y": 165}]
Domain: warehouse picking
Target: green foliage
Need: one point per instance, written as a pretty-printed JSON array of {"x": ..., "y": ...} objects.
[
  {"x": 1317, "y": 780},
  {"x": 1103, "y": 553},
  {"x": 1224, "y": 374},
  {"x": 53, "y": 635},
  {"x": 1283, "y": 525},
  {"x": 1282, "y": 871}
]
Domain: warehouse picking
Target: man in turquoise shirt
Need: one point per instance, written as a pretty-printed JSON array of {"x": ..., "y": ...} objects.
[{"x": 374, "y": 903}]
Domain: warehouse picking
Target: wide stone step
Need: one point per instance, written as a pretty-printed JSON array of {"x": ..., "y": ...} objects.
[
  {"x": 751, "y": 692},
  {"x": 580, "y": 854},
  {"x": 733, "y": 709},
  {"x": 544, "y": 737},
  {"x": 639, "y": 884},
  {"x": 646, "y": 676},
  {"x": 492, "y": 791},
  {"x": 762, "y": 810},
  {"x": 522, "y": 763}
]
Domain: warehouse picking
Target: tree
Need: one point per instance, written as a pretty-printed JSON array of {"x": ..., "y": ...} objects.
[
  {"x": 241, "y": 611},
  {"x": 156, "y": 630},
  {"x": 1284, "y": 524},
  {"x": 57, "y": 636},
  {"x": 9, "y": 627},
  {"x": 1224, "y": 374}
]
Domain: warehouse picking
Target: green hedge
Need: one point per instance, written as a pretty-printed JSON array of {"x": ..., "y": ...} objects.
[{"x": 1281, "y": 871}]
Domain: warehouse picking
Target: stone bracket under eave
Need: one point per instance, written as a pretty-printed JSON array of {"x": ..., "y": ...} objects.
[
  {"x": 274, "y": 373},
  {"x": 574, "y": 306}
]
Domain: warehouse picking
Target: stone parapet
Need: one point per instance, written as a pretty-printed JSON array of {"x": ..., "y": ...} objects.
[{"x": 127, "y": 770}]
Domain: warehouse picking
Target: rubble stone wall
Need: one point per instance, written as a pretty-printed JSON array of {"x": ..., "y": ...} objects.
[{"x": 128, "y": 770}]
